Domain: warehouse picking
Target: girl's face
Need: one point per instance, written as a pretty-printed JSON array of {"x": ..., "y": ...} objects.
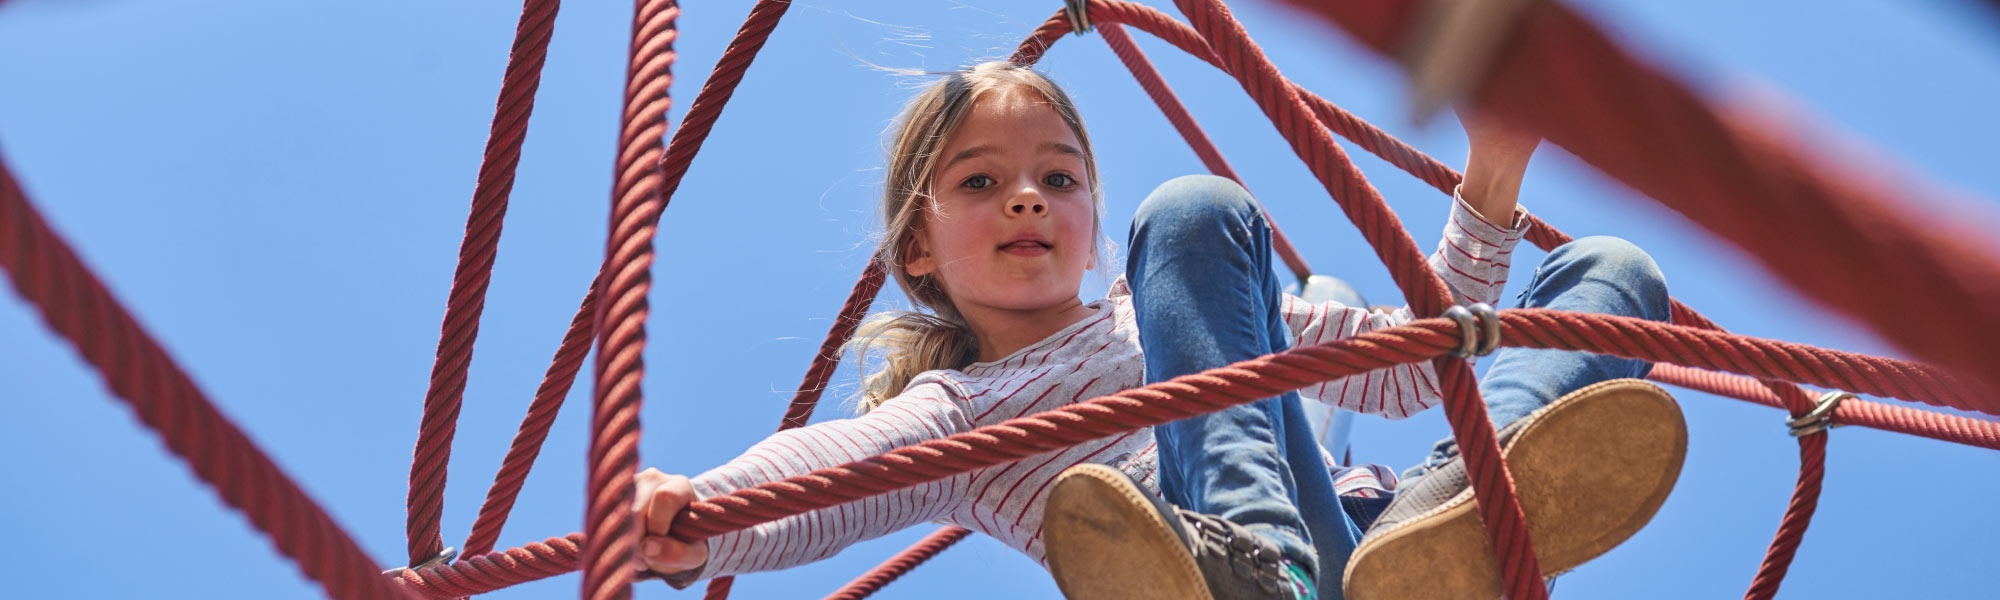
[{"x": 1012, "y": 226}]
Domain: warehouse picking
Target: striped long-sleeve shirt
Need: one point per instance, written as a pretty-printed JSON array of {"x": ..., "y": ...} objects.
[{"x": 1096, "y": 356}]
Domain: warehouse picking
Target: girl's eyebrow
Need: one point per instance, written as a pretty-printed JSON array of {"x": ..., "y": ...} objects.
[
  {"x": 1057, "y": 147},
  {"x": 965, "y": 154},
  {"x": 1062, "y": 148}
]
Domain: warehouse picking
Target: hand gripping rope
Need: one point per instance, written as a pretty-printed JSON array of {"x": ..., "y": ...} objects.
[{"x": 1533, "y": 80}]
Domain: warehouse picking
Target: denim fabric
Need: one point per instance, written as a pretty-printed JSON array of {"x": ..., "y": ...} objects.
[
  {"x": 1598, "y": 274},
  {"x": 1206, "y": 296}
]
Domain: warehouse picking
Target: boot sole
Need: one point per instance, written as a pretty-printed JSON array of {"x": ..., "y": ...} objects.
[
  {"x": 1590, "y": 471},
  {"x": 1106, "y": 541}
]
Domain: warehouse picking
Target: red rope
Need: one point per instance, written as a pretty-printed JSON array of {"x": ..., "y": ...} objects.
[
  {"x": 475, "y": 269},
  {"x": 1798, "y": 516},
  {"x": 1278, "y": 373},
  {"x": 821, "y": 371},
  {"x": 872, "y": 581},
  {"x": 718, "y": 588},
  {"x": 1359, "y": 200},
  {"x": 1270, "y": 375},
  {"x": 1820, "y": 228},
  {"x": 715, "y": 93},
  {"x": 1430, "y": 170},
  {"x": 671, "y": 167},
  {"x": 513, "y": 473},
  {"x": 1540, "y": 233},
  {"x": 549, "y": 398},
  {"x": 1283, "y": 103},
  {"x": 637, "y": 200},
  {"x": 1819, "y": 366},
  {"x": 1887, "y": 417},
  {"x": 48, "y": 274},
  {"x": 1505, "y": 524},
  {"x": 494, "y": 570},
  {"x": 851, "y": 303},
  {"x": 1170, "y": 104}
]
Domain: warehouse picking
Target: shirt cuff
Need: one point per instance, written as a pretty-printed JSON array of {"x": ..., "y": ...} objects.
[
  {"x": 1476, "y": 252},
  {"x": 1479, "y": 225}
]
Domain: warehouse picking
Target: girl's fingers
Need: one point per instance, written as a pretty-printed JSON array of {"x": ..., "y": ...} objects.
[
  {"x": 669, "y": 555},
  {"x": 673, "y": 494},
  {"x": 645, "y": 482}
]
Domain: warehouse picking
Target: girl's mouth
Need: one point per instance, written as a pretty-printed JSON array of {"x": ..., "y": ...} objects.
[{"x": 1026, "y": 248}]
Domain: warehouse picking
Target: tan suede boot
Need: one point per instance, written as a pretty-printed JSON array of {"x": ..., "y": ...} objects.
[
  {"x": 1108, "y": 539},
  {"x": 1589, "y": 469}
]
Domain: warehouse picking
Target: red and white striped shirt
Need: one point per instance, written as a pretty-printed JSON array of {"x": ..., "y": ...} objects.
[{"x": 1096, "y": 356}]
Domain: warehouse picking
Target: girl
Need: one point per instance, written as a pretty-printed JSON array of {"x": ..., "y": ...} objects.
[{"x": 993, "y": 215}]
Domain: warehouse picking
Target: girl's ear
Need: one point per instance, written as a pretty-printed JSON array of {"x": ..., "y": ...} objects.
[{"x": 918, "y": 261}]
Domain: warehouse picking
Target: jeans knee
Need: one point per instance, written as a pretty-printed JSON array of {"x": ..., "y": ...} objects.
[
  {"x": 1195, "y": 204},
  {"x": 1619, "y": 261},
  {"x": 1611, "y": 254}
]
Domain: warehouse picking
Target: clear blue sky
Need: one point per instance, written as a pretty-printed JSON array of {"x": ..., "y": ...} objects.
[{"x": 278, "y": 191}]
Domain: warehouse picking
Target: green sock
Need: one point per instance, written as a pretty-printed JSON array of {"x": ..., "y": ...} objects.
[{"x": 1303, "y": 586}]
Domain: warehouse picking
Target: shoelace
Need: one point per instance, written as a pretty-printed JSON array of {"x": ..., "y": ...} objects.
[{"x": 1248, "y": 556}]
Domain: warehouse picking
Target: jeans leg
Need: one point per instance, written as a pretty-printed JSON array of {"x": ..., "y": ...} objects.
[
  {"x": 1603, "y": 275},
  {"x": 1205, "y": 296},
  {"x": 1334, "y": 531}
]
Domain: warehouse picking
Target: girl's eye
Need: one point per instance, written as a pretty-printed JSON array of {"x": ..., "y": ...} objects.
[
  {"x": 1060, "y": 180},
  {"x": 977, "y": 182}
]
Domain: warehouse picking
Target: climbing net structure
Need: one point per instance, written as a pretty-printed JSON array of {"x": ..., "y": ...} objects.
[{"x": 1828, "y": 234}]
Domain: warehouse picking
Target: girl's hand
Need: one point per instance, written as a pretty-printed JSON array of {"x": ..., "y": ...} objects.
[
  {"x": 1493, "y": 138},
  {"x": 1495, "y": 166},
  {"x": 661, "y": 497}
]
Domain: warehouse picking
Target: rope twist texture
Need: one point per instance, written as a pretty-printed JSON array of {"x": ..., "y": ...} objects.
[
  {"x": 475, "y": 270},
  {"x": 637, "y": 199}
]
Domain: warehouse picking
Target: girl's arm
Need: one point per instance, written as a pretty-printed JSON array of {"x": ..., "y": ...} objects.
[
  {"x": 1495, "y": 165},
  {"x": 925, "y": 411}
]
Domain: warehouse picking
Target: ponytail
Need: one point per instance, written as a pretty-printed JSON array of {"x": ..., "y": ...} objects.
[{"x": 911, "y": 343}]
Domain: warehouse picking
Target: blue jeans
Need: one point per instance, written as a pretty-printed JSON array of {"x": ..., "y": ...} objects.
[{"x": 1206, "y": 296}]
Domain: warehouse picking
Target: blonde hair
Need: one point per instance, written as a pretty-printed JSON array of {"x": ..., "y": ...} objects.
[{"x": 913, "y": 342}]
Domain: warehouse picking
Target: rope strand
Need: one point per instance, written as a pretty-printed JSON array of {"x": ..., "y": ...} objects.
[
  {"x": 1278, "y": 373},
  {"x": 637, "y": 200},
  {"x": 475, "y": 270}
]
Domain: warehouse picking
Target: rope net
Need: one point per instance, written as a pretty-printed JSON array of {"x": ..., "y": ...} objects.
[{"x": 1741, "y": 182}]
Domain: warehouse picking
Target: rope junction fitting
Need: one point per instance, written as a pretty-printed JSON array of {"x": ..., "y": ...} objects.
[
  {"x": 1821, "y": 417},
  {"x": 1478, "y": 329},
  {"x": 1079, "y": 16},
  {"x": 1543, "y": 75},
  {"x": 443, "y": 557}
]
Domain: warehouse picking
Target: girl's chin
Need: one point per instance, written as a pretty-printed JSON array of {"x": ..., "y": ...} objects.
[{"x": 1031, "y": 303}]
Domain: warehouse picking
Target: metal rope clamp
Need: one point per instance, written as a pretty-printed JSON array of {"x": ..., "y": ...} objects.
[
  {"x": 1079, "y": 16},
  {"x": 1478, "y": 329},
  {"x": 447, "y": 555},
  {"x": 1821, "y": 417}
]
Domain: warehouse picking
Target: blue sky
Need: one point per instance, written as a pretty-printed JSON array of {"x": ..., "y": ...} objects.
[{"x": 278, "y": 191}]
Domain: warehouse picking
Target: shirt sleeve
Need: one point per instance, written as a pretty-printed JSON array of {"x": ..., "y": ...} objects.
[
  {"x": 923, "y": 412},
  {"x": 1475, "y": 253},
  {"x": 1473, "y": 259}
]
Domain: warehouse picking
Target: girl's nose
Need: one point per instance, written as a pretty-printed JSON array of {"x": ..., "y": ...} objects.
[{"x": 1027, "y": 204}]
